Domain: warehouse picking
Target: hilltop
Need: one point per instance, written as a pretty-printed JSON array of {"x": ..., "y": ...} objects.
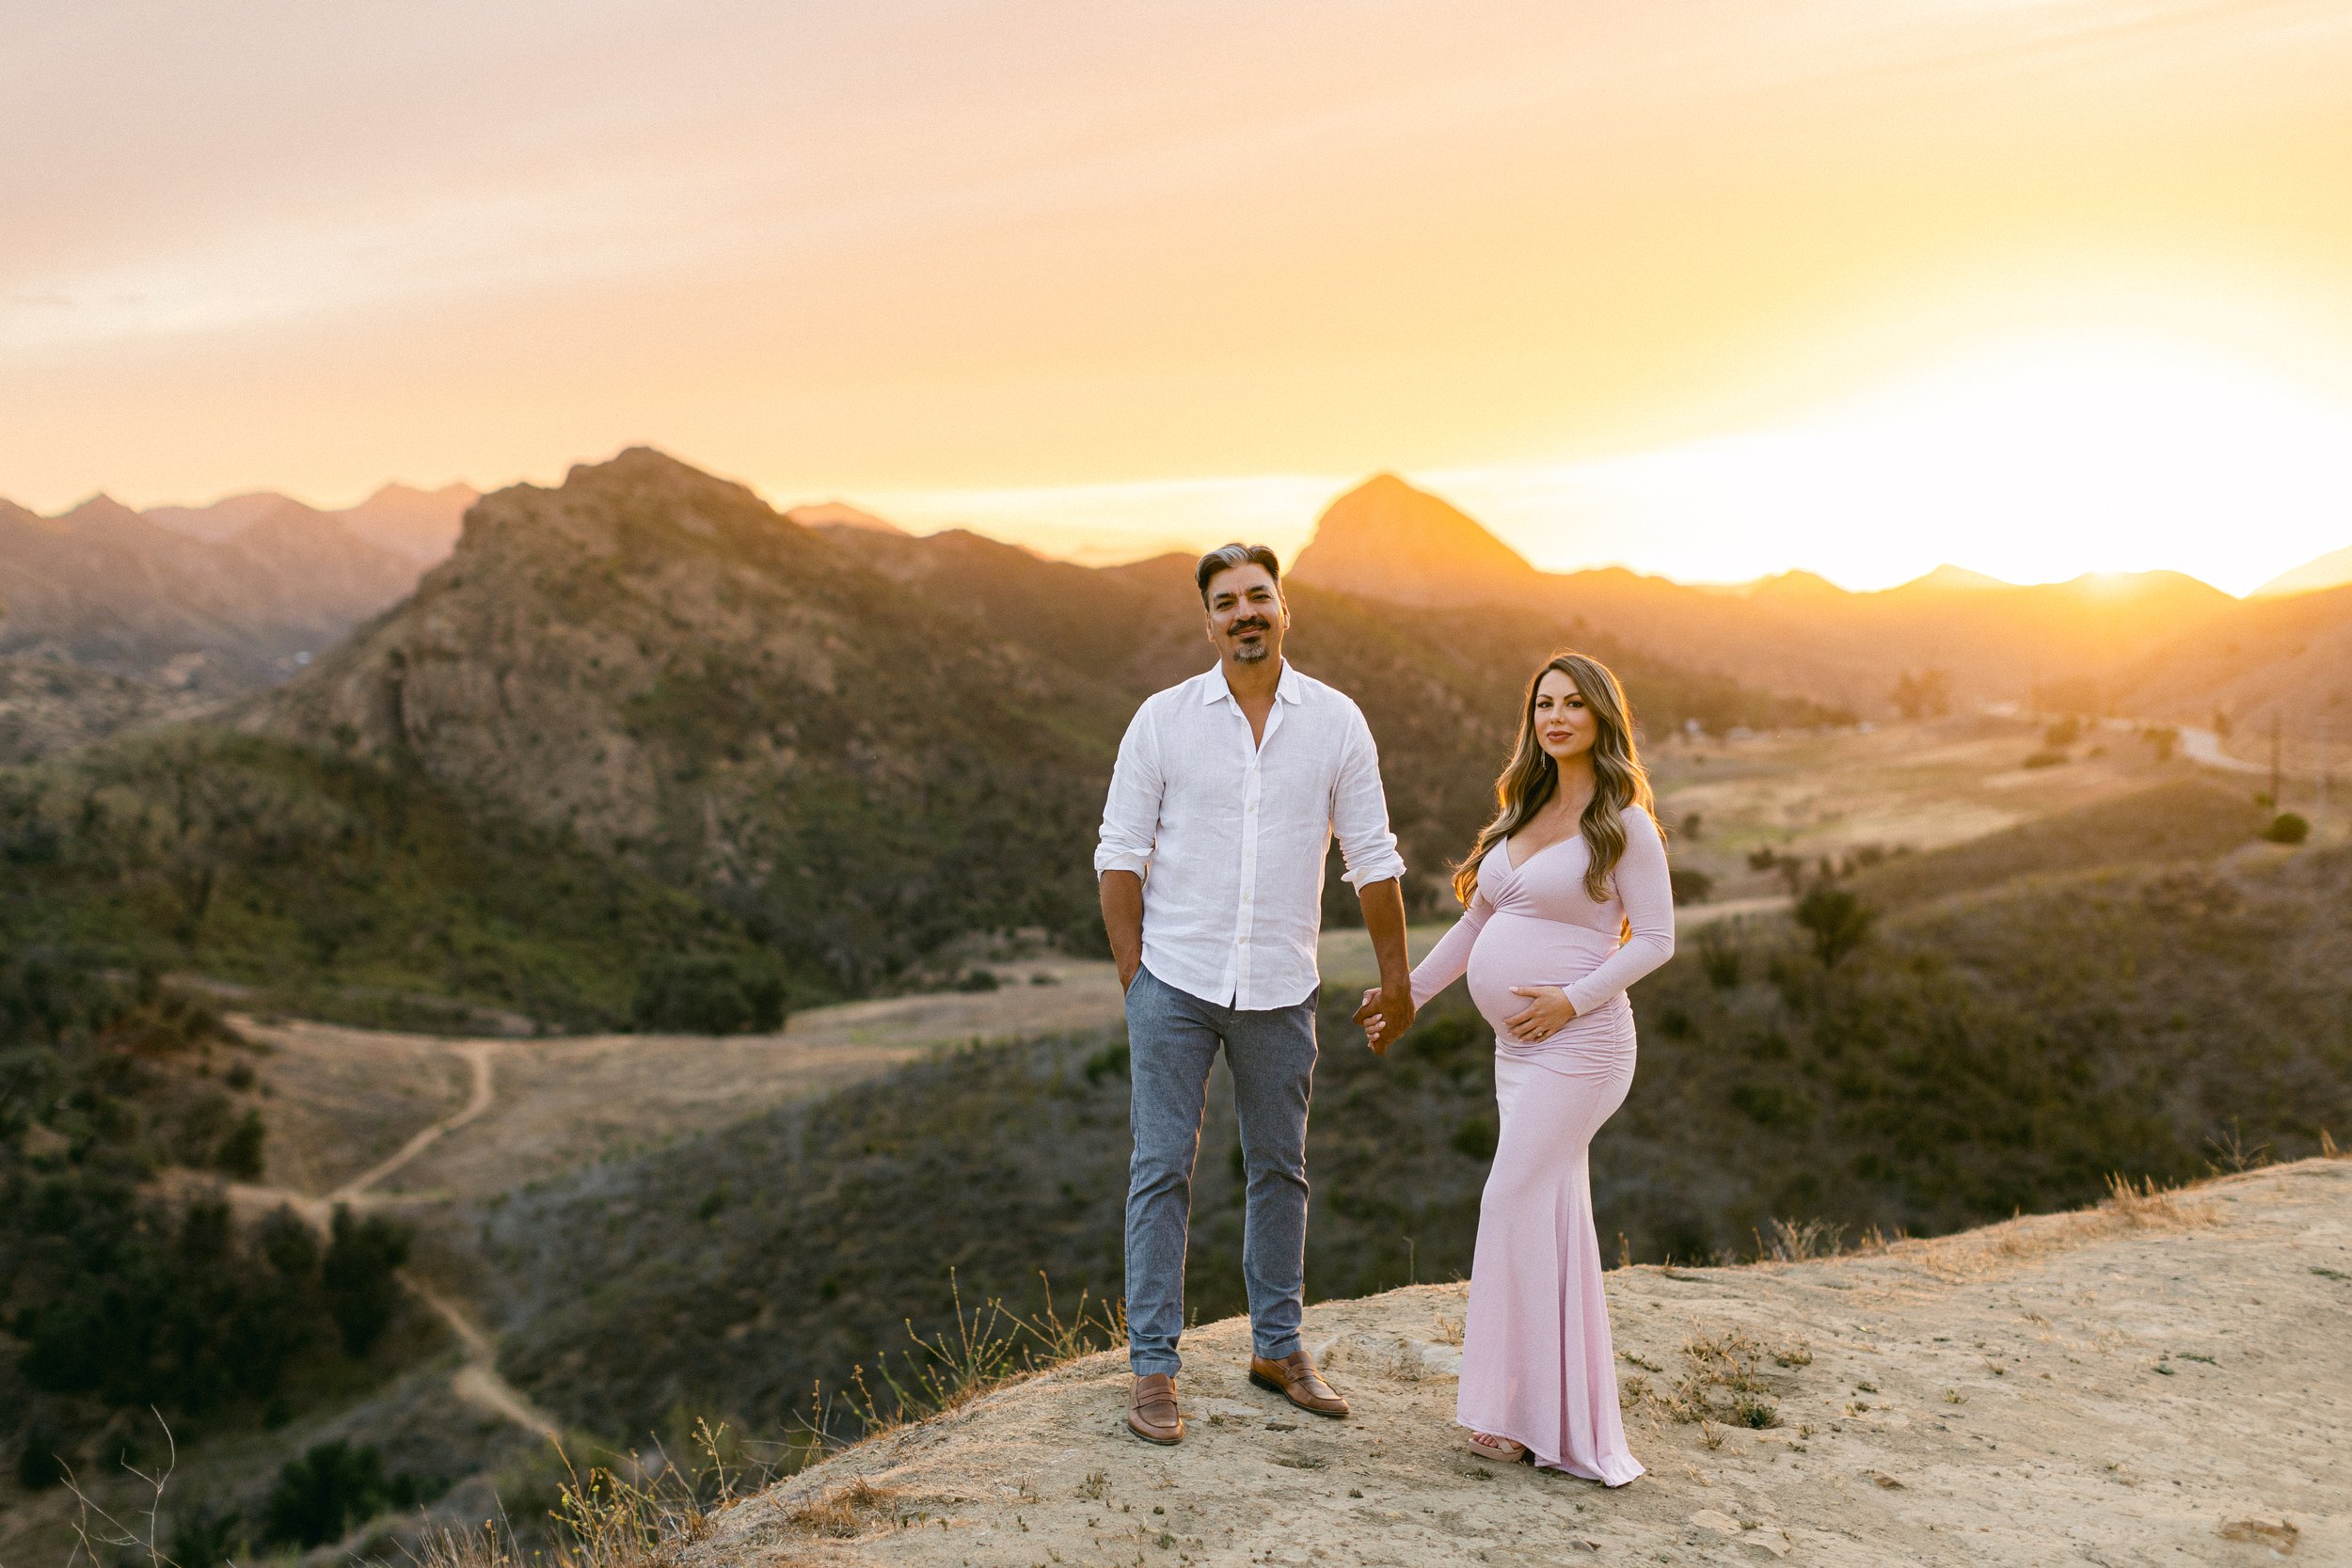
[{"x": 2157, "y": 1375}]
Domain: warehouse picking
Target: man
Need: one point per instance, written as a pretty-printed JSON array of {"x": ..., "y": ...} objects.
[{"x": 1222, "y": 808}]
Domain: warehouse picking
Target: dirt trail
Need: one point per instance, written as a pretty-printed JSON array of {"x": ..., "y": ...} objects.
[
  {"x": 477, "y": 1382},
  {"x": 477, "y": 1056},
  {"x": 2114, "y": 1388}
]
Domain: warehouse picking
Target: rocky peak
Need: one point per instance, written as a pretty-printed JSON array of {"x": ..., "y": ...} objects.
[{"x": 1387, "y": 539}]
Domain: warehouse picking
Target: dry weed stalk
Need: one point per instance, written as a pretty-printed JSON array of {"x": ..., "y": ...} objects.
[
  {"x": 1799, "y": 1241},
  {"x": 94, "y": 1527},
  {"x": 990, "y": 1346}
]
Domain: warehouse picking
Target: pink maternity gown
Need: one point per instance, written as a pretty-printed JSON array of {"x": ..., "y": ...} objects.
[{"x": 1537, "y": 1362}]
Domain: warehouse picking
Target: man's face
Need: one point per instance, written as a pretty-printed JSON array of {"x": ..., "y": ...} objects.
[{"x": 1247, "y": 617}]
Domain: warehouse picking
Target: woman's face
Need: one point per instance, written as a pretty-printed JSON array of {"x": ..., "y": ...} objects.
[{"x": 1564, "y": 727}]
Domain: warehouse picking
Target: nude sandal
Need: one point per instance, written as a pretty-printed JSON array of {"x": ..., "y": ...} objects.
[{"x": 1502, "y": 1450}]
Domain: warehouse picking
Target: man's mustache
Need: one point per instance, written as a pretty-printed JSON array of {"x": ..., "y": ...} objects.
[{"x": 1254, "y": 624}]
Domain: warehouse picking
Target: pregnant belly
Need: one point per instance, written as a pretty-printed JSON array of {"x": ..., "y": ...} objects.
[{"x": 1523, "y": 950}]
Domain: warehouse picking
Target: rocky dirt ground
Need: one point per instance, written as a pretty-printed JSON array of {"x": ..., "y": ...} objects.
[{"x": 2158, "y": 1381}]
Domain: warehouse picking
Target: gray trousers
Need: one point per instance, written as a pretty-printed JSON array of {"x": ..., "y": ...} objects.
[{"x": 1172, "y": 1041}]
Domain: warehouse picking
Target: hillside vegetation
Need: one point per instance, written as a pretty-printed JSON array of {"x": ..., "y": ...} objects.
[
  {"x": 1988, "y": 1052},
  {"x": 120, "y": 1301},
  {"x": 337, "y": 887}
]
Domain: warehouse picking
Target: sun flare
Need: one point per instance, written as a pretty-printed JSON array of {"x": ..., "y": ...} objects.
[{"x": 2032, "y": 460}]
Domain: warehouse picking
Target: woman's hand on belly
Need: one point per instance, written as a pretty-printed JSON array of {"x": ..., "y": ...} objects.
[{"x": 1548, "y": 1012}]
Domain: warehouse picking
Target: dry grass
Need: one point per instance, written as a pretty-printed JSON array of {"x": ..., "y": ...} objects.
[
  {"x": 2128, "y": 1207},
  {"x": 633, "y": 1513},
  {"x": 991, "y": 1347},
  {"x": 846, "y": 1511},
  {"x": 1723, "y": 1383}
]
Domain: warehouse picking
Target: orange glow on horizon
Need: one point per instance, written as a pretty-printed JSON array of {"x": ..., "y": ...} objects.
[{"x": 1707, "y": 289}]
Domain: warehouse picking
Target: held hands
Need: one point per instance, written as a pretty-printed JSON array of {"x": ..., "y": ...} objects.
[
  {"x": 1545, "y": 1014},
  {"x": 1385, "y": 1015}
]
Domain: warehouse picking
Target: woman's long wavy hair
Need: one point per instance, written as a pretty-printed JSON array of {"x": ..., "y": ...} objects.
[{"x": 1529, "y": 779}]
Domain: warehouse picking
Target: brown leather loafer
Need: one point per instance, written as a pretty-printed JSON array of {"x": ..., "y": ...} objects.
[
  {"x": 1152, "y": 1413},
  {"x": 1295, "y": 1379}
]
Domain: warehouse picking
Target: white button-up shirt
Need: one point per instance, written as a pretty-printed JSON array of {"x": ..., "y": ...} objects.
[{"x": 1230, "y": 837}]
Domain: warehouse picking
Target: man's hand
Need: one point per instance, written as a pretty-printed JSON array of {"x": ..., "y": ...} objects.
[
  {"x": 1127, "y": 972},
  {"x": 1387, "y": 1013}
]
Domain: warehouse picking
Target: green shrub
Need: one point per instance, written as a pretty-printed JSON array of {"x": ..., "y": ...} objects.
[
  {"x": 1838, "y": 921},
  {"x": 1475, "y": 1138},
  {"x": 708, "y": 995},
  {"x": 2287, "y": 828},
  {"x": 206, "y": 1538},
  {"x": 319, "y": 1495},
  {"x": 39, "y": 1464},
  {"x": 1690, "y": 885}
]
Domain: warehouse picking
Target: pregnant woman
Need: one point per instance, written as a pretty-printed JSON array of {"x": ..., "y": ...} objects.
[{"x": 1565, "y": 903}]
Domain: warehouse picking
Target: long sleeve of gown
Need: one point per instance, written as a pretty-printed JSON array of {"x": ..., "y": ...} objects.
[
  {"x": 1450, "y": 957},
  {"x": 1647, "y": 893}
]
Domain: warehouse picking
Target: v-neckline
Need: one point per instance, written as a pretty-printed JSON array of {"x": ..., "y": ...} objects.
[{"x": 1517, "y": 866}]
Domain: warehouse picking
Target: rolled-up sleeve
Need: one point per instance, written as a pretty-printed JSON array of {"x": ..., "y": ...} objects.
[
  {"x": 1131, "y": 813},
  {"x": 1359, "y": 813}
]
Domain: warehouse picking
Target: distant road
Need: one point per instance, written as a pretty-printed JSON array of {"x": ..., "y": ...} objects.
[
  {"x": 2204, "y": 746},
  {"x": 2200, "y": 745}
]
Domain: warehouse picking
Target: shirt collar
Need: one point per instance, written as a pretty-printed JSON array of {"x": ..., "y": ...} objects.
[{"x": 1214, "y": 689}]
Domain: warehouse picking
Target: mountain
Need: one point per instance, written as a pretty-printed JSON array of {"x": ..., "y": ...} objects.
[
  {"x": 1387, "y": 539},
  {"x": 422, "y": 525},
  {"x": 841, "y": 514},
  {"x": 104, "y": 586},
  {"x": 1949, "y": 576},
  {"x": 656, "y": 661},
  {"x": 2332, "y": 570},
  {"x": 222, "y": 519},
  {"x": 2287, "y": 657},
  {"x": 862, "y": 744},
  {"x": 1796, "y": 634}
]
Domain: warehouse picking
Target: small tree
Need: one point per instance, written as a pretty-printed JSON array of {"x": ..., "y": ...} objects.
[
  {"x": 1838, "y": 921},
  {"x": 1925, "y": 695},
  {"x": 240, "y": 1152},
  {"x": 362, "y": 1259}
]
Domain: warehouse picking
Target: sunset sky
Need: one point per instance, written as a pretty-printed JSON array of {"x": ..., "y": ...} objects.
[{"x": 1711, "y": 288}]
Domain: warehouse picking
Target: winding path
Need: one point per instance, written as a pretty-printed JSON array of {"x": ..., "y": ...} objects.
[{"x": 477, "y": 1382}]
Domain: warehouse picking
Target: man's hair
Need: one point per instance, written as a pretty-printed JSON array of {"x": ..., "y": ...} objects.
[{"x": 1226, "y": 557}]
